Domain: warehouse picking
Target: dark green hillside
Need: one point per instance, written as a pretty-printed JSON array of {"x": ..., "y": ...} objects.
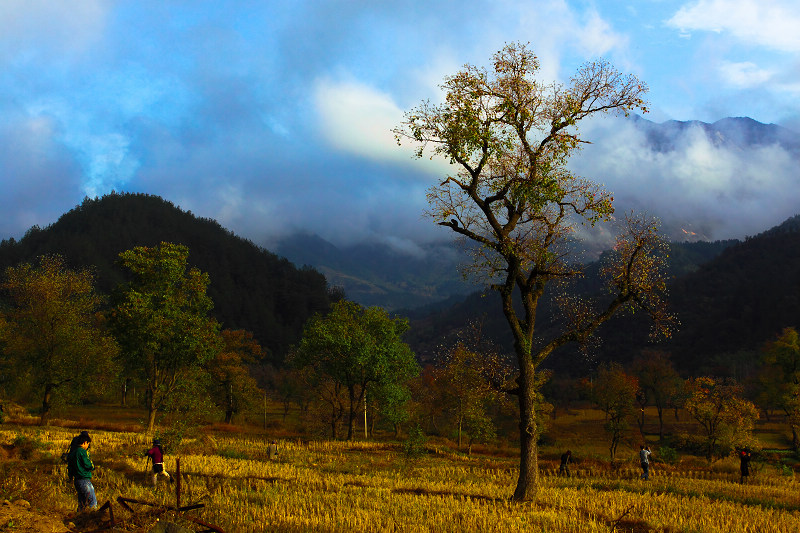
[
  {"x": 252, "y": 288},
  {"x": 622, "y": 338}
]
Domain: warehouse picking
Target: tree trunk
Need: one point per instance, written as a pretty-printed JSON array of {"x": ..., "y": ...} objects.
[
  {"x": 48, "y": 396},
  {"x": 229, "y": 401},
  {"x": 351, "y": 391},
  {"x": 151, "y": 411},
  {"x": 125, "y": 383},
  {"x": 660, "y": 410},
  {"x": 795, "y": 438},
  {"x": 528, "y": 481},
  {"x": 460, "y": 418}
]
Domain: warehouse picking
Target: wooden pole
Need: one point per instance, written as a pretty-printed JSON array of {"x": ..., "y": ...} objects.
[{"x": 178, "y": 484}]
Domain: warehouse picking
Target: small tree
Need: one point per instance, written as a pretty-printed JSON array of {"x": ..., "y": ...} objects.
[
  {"x": 161, "y": 321},
  {"x": 658, "y": 380},
  {"x": 52, "y": 330},
  {"x": 233, "y": 389},
  {"x": 510, "y": 137},
  {"x": 357, "y": 347},
  {"x": 614, "y": 392},
  {"x": 726, "y": 419},
  {"x": 467, "y": 393}
]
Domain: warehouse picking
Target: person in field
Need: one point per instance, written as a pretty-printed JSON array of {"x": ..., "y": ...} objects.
[
  {"x": 744, "y": 465},
  {"x": 80, "y": 468},
  {"x": 566, "y": 459},
  {"x": 272, "y": 451},
  {"x": 644, "y": 459},
  {"x": 156, "y": 454}
]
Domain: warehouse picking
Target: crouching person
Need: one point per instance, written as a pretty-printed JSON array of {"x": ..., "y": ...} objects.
[
  {"x": 156, "y": 454},
  {"x": 80, "y": 468}
]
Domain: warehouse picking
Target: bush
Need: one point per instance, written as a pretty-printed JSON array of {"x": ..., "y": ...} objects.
[
  {"x": 414, "y": 445},
  {"x": 26, "y": 447},
  {"x": 667, "y": 455}
]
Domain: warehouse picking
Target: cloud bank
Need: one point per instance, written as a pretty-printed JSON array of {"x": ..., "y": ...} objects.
[{"x": 274, "y": 117}]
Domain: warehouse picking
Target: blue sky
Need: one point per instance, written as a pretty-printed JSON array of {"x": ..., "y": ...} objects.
[{"x": 273, "y": 117}]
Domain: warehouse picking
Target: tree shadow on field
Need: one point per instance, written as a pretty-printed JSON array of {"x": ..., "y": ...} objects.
[{"x": 425, "y": 492}]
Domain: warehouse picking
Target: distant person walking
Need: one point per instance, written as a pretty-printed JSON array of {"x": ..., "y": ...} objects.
[
  {"x": 80, "y": 468},
  {"x": 272, "y": 451},
  {"x": 156, "y": 454},
  {"x": 644, "y": 459},
  {"x": 744, "y": 465},
  {"x": 566, "y": 459}
]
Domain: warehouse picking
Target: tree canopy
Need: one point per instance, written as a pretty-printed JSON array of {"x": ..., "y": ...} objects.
[
  {"x": 509, "y": 137},
  {"x": 161, "y": 320},
  {"x": 357, "y": 347},
  {"x": 52, "y": 331}
]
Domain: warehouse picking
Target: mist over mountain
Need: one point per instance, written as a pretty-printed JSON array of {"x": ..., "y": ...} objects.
[
  {"x": 724, "y": 180},
  {"x": 705, "y": 182}
]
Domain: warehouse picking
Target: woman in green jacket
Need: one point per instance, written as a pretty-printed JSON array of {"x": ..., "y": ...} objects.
[{"x": 80, "y": 467}]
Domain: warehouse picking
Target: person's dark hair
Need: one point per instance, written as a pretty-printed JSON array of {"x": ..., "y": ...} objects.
[{"x": 83, "y": 437}]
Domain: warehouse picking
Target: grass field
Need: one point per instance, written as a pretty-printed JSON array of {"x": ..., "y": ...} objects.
[{"x": 375, "y": 486}]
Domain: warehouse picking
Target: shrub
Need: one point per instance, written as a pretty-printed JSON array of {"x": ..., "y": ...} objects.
[
  {"x": 668, "y": 455},
  {"x": 26, "y": 447},
  {"x": 414, "y": 445}
]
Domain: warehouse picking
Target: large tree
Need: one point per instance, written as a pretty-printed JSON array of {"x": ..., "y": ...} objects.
[
  {"x": 357, "y": 347},
  {"x": 52, "y": 331},
  {"x": 509, "y": 137},
  {"x": 161, "y": 321}
]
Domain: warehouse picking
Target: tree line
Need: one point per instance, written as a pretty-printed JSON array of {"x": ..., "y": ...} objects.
[{"x": 65, "y": 342}]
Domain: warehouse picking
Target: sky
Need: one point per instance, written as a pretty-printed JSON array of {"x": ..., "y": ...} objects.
[{"x": 273, "y": 117}]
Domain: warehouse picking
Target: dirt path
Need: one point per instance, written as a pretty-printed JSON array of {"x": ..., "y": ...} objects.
[{"x": 20, "y": 517}]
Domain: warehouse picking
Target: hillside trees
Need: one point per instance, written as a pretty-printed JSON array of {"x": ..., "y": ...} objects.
[
  {"x": 161, "y": 321},
  {"x": 779, "y": 378},
  {"x": 51, "y": 331},
  {"x": 356, "y": 348},
  {"x": 509, "y": 137}
]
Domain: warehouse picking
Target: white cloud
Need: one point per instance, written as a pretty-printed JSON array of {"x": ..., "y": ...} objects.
[
  {"x": 745, "y": 74},
  {"x": 724, "y": 191},
  {"x": 773, "y": 24},
  {"x": 359, "y": 119},
  {"x": 598, "y": 38}
]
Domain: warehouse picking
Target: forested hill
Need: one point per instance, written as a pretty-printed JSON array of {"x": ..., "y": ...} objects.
[
  {"x": 736, "y": 296},
  {"x": 252, "y": 288}
]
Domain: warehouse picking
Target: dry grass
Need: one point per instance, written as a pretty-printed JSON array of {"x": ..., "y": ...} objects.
[{"x": 365, "y": 486}]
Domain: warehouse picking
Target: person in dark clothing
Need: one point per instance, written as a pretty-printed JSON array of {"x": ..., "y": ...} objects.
[
  {"x": 156, "y": 453},
  {"x": 80, "y": 468},
  {"x": 566, "y": 459},
  {"x": 744, "y": 465}
]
